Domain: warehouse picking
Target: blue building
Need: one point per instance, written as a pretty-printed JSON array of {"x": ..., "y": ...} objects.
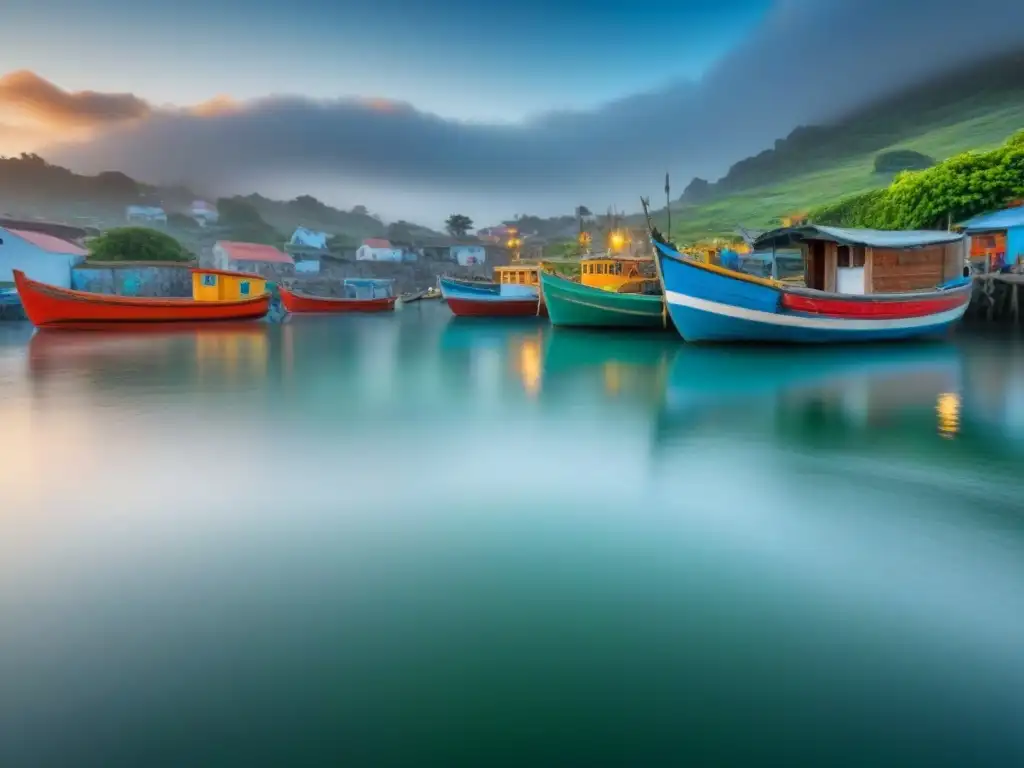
[
  {"x": 997, "y": 239},
  {"x": 41, "y": 256}
]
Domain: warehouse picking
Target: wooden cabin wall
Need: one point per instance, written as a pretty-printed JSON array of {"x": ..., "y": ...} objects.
[
  {"x": 831, "y": 261},
  {"x": 895, "y": 271},
  {"x": 954, "y": 261}
]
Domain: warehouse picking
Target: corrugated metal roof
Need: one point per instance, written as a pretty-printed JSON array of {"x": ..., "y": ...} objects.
[
  {"x": 376, "y": 242},
  {"x": 49, "y": 243},
  {"x": 254, "y": 252},
  {"x": 1007, "y": 218},
  {"x": 872, "y": 238}
]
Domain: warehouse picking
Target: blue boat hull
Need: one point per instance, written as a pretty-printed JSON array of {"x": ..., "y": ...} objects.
[{"x": 708, "y": 306}]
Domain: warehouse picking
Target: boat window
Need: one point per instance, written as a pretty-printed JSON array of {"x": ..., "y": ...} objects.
[
  {"x": 858, "y": 257},
  {"x": 209, "y": 280},
  {"x": 243, "y": 288},
  {"x": 843, "y": 256}
]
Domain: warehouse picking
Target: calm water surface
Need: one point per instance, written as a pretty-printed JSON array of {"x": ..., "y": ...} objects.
[{"x": 407, "y": 540}]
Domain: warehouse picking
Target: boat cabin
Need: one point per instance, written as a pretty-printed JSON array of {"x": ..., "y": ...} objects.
[
  {"x": 368, "y": 288},
  {"x": 864, "y": 261},
  {"x": 517, "y": 274},
  {"x": 611, "y": 272},
  {"x": 221, "y": 285}
]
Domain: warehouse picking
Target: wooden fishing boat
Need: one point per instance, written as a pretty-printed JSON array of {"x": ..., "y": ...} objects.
[
  {"x": 574, "y": 304},
  {"x": 50, "y": 306},
  {"x": 453, "y": 284},
  {"x": 300, "y": 303},
  {"x": 518, "y": 294},
  {"x": 862, "y": 285},
  {"x": 496, "y": 307}
]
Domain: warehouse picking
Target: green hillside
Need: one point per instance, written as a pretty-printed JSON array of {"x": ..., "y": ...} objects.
[
  {"x": 761, "y": 207},
  {"x": 975, "y": 108}
]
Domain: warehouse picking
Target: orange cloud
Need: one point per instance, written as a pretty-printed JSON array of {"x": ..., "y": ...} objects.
[
  {"x": 218, "y": 105},
  {"x": 27, "y": 95}
]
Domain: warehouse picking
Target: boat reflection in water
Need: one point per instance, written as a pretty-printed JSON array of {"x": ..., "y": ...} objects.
[
  {"x": 496, "y": 357},
  {"x": 598, "y": 365},
  {"x": 820, "y": 398},
  {"x": 224, "y": 355}
]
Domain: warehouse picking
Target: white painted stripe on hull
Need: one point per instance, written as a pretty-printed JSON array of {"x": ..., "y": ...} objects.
[{"x": 816, "y": 323}]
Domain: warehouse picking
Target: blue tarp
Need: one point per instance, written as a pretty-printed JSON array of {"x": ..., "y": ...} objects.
[
  {"x": 871, "y": 238},
  {"x": 1000, "y": 220}
]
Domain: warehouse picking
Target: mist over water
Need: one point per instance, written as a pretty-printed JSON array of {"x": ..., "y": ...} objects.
[{"x": 409, "y": 540}]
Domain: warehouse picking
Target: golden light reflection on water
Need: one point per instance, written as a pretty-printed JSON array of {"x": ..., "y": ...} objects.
[
  {"x": 527, "y": 361},
  {"x": 947, "y": 409}
]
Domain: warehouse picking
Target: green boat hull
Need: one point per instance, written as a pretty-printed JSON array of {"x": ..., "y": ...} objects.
[{"x": 576, "y": 305}]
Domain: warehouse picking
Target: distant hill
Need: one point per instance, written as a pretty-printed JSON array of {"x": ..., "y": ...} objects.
[{"x": 30, "y": 187}]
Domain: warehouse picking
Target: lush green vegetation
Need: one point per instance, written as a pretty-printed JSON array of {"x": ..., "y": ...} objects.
[
  {"x": 963, "y": 186},
  {"x": 136, "y": 244},
  {"x": 762, "y": 207}
]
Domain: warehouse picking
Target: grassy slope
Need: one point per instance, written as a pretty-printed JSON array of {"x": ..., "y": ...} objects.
[{"x": 761, "y": 207}]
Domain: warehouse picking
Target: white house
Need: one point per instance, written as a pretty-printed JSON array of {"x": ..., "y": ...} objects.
[
  {"x": 249, "y": 257},
  {"x": 40, "y": 256},
  {"x": 467, "y": 255},
  {"x": 378, "y": 249},
  {"x": 203, "y": 212},
  {"x": 146, "y": 214}
]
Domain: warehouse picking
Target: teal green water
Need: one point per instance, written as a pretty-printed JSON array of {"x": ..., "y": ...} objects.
[{"x": 409, "y": 541}]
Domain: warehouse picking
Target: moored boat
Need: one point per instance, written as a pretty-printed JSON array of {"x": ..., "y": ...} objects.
[
  {"x": 454, "y": 284},
  {"x": 300, "y": 303},
  {"x": 574, "y": 304},
  {"x": 517, "y": 296},
  {"x": 862, "y": 286},
  {"x": 50, "y": 306}
]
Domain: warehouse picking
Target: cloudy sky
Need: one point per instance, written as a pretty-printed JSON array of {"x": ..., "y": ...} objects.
[{"x": 421, "y": 109}]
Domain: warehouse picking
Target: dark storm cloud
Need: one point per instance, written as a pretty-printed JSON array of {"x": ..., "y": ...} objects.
[
  {"x": 809, "y": 61},
  {"x": 28, "y": 94}
]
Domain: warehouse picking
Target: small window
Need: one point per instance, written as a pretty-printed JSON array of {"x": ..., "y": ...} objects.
[
  {"x": 843, "y": 257},
  {"x": 858, "y": 256},
  {"x": 243, "y": 288},
  {"x": 210, "y": 280}
]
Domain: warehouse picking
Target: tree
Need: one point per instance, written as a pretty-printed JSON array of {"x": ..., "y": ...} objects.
[
  {"x": 458, "y": 225},
  {"x": 137, "y": 244},
  {"x": 400, "y": 230},
  {"x": 360, "y": 210},
  {"x": 582, "y": 212},
  {"x": 244, "y": 220}
]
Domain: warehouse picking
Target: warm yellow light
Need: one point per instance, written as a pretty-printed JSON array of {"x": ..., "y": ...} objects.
[
  {"x": 948, "y": 410},
  {"x": 617, "y": 240}
]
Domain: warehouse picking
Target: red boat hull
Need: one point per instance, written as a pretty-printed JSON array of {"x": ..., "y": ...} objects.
[
  {"x": 872, "y": 309},
  {"x": 48, "y": 306},
  {"x": 302, "y": 304},
  {"x": 463, "y": 307}
]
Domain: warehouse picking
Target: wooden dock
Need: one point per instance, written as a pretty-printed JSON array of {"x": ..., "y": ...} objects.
[{"x": 997, "y": 297}]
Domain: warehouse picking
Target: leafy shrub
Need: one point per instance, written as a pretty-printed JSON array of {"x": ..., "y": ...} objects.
[{"x": 136, "y": 244}]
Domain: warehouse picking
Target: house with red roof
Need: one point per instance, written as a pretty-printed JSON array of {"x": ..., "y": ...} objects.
[
  {"x": 41, "y": 256},
  {"x": 251, "y": 257},
  {"x": 378, "y": 249}
]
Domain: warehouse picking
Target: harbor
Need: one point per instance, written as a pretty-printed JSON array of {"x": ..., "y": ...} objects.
[{"x": 479, "y": 516}]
